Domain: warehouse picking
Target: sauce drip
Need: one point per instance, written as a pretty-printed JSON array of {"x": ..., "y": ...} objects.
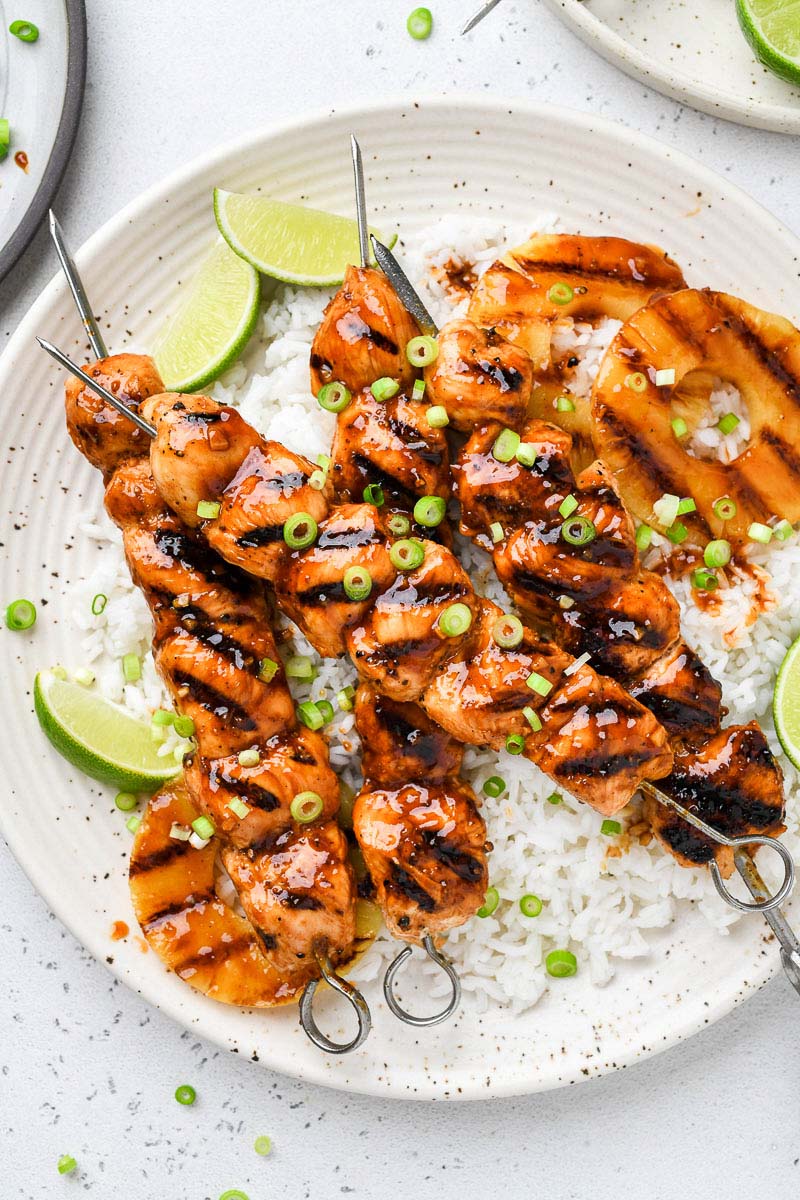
[{"x": 21, "y": 159}]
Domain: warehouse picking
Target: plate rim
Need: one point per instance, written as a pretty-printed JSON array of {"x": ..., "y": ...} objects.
[
  {"x": 318, "y": 1071},
  {"x": 60, "y": 154},
  {"x": 776, "y": 118}
]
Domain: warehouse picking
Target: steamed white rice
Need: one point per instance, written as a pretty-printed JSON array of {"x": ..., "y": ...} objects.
[{"x": 600, "y": 906}]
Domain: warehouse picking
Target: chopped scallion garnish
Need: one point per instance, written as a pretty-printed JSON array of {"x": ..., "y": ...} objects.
[
  {"x": 717, "y": 553},
  {"x": 306, "y": 807},
  {"x": 301, "y": 668},
  {"x": 131, "y": 668},
  {"x": 185, "y": 1094},
  {"x": 436, "y": 415},
  {"x": 530, "y": 905},
  {"x": 728, "y": 423},
  {"x": 300, "y": 531},
  {"x": 760, "y": 533},
  {"x": 561, "y": 963},
  {"x": 494, "y": 786},
  {"x": 455, "y": 620},
  {"x": 20, "y": 615},
  {"x": 665, "y": 377},
  {"x": 424, "y": 350},
  {"x": 250, "y": 757},
  {"x": 208, "y": 510},
  {"x": 384, "y": 388},
  {"x": 610, "y": 828},
  {"x": 99, "y": 603},
  {"x": 490, "y": 902},
  {"x": 506, "y": 445}
]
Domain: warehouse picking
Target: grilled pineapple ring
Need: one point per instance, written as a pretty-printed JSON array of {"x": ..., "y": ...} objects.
[
  {"x": 708, "y": 334},
  {"x": 556, "y": 276}
]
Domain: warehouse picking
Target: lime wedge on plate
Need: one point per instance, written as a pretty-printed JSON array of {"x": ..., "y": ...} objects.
[
  {"x": 786, "y": 703},
  {"x": 288, "y": 241},
  {"x": 772, "y": 27},
  {"x": 98, "y": 737},
  {"x": 212, "y": 324}
]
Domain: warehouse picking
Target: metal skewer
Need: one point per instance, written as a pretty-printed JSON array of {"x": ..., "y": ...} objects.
[
  {"x": 361, "y": 201},
  {"x": 477, "y": 17},
  {"x": 339, "y": 984},
  {"x": 764, "y": 902}
]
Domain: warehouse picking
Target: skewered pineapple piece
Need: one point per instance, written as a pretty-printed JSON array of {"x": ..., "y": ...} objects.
[{"x": 701, "y": 334}]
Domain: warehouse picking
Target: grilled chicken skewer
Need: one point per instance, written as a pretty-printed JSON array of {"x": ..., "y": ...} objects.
[
  {"x": 253, "y": 765},
  {"x": 735, "y": 767}
]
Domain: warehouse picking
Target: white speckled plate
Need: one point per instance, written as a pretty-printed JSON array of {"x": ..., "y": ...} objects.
[
  {"x": 467, "y": 154},
  {"x": 694, "y": 52}
]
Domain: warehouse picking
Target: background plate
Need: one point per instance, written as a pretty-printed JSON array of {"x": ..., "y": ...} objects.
[
  {"x": 695, "y": 53},
  {"x": 465, "y": 154}
]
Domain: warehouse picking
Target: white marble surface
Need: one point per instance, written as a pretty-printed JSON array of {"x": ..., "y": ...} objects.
[{"x": 85, "y": 1066}]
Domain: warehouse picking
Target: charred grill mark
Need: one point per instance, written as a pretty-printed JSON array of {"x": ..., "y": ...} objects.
[
  {"x": 375, "y": 473},
  {"x": 214, "y": 954},
  {"x": 461, "y": 863},
  {"x": 189, "y": 904},
  {"x": 601, "y": 764},
  {"x": 595, "y": 271},
  {"x": 356, "y": 329},
  {"x": 411, "y": 595},
  {"x": 413, "y": 891},
  {"x": 202, "y": 418},
  {"x": 256, "y": 795},
  {"x": 414, "y": 441},
  {"x": 194, "y": 555},
  {"x": 215, "y": 702},
  {"x": 322, "y": 593},
  {"x": 407, "y": 736},
  {"x": 507, "y": 379},
  {"x": 260, "y": 535},
  {"x": 142, "y": 863},
  {"x": 783, "y": 450},
  {"x": 318, "y": 363},
  {"x": 207, "y": 631},
  {"x": 355, "y": 538},
  {"x": 269, "y": 941},
  {"x": 298, "y": 900},
  {"x": 788, "y": 382}
]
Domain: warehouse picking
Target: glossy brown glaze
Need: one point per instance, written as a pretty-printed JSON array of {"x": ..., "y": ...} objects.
[
  {"x": 104, "y": 436},
  {"x": 479, "y": 377}
]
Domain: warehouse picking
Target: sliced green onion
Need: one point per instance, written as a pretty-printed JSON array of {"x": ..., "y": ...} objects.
[
  {"x": 567, "y": 506},
  {"x": 384, "y": 388},
  {"x": 208, "y": 510},
  {"x": 429, "y": 511},
  {"x": 526, "y": 454},
  {"x": 537, "y": 683},
  {"x": 309, "y": 715},
  {"x": 533, "y": 718},
  {"x": 300, "y": 531},
  {"x": 560, "y": 293},
  {"x": 418, "y": 390},
  {"x": 334, "y": 397},
  {"x": 555, "y": 798},
  {"x": 267, "y": 670},
  {"x": 725, "y": 508},
  {"x": 324, "y": 462},
  {"x": 407, "y": 554},
  {"x": 436, "y": 415},
  {"x": 578, "y": 531},
  {"x": 345, "y": 698},
  {"x": 665, "y": 510},
  {"x": 644, "y": 536},
  {"x": 515, "y": 743},
  {"x": 610, "y": 828},
  {"x": 234, "y": 1194},
  {"x": 455, "y": 620},
  {"x": 577, "y": 664},
  {"x": 357, "y": 583},
  {"x": 494, "y": 786},
  {"x": 20, "y": 615},
  {"x": 687, "y": 505},
  {"x": 84, "y": 677},
  {"x": 132, "y": 824},
  {"x": 26, "y": 31},
  {"x": 184, "y": 726},
  {"x": 677, "y": 533},
  {"x": 125, "y": 801},
  {"x": 162, "y": 716},
  {"x": 783, "y": 530},
  {"x": 203, "y": 828},
  {"x": 717, "y": 553},
  {"x": 398, "y": 524},
  {"x": 419, "y": 24},
  {"x": 704, "y": 581},
  {"x": 59, "y": 671},
  {"x": 565, "y": 404},
  {"x": 99, "y": 603},
  {"x": 131, "y": 668},
  {"x": 665, "y": 377},
  {"x": 759, "y": 533},
  {"x": 249, "y": 758},
  {"x": 325, "y": 709},
  {"x": 317, "y": 479},
  {"x": 508, "y": 631},
  {"x": 636, "y": 381},
  {"x": 422, "y": 351},
  {"x": 185, "y": 1094},
  {"x": 490, "y": 903},
  {"x": 728, "y": 423},
  {"x": 506, "y": 445},
  {"x": 561, "y": 963},
  {"x": 679, "y": 427},
  {"x": 306, "y": 807},
  {"x": 238, "y": 807},
  {"x": 179, "y": 833},
  {"x": 373, "y": 494},
  {"x": 66, "y": 1164},
  {"x": 496, "y": 532},
  {"x": 262, "y": 1145},
  {"x": 530, "y": 905}
]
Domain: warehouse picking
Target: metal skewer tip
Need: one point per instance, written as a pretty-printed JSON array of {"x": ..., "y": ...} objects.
[
  {"x": 403, "y": 286},
  {"x": 121, "y": 407},
  {"x": 477, "y": 17},
  {"x": 361, "y": 201},
  {"x": 76, "y": 287}
]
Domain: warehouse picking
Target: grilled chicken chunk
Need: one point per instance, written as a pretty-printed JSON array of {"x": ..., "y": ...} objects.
[
  {"x": 363, "y": 335},
  {"x": 103, "y": 435},
  {"x": 193, "y": 932},
  {"x": 717, "y": 335},
  {"x": 479, "y": 377},
  {"x": 399, "y": 742},
  {"x": 733, "y": 783}
]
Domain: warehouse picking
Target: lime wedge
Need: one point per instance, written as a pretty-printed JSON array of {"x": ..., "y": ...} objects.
[
  {"x": 772, "y": 27},
  {"x": 287, "y": 241},
  {"x": 98, "y": 737},
  {"x": 786, "y": 703},
  {"x": 212, "y": 324}
]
